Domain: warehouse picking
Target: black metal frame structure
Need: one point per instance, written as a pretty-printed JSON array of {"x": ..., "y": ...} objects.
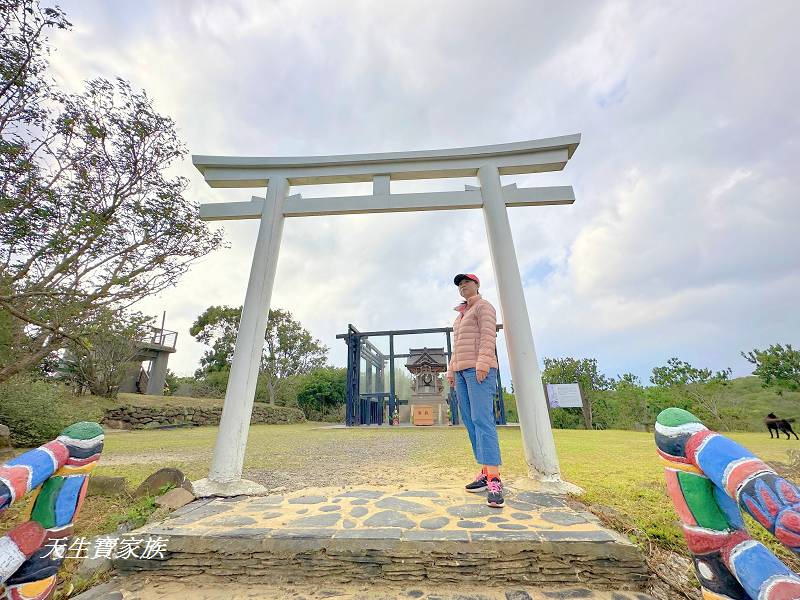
[{"x": 368, "y": 408}]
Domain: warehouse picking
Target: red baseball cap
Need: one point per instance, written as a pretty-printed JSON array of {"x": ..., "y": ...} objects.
[{"x": 462, "y": 276}]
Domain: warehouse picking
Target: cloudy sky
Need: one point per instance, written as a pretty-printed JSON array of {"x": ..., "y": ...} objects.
[{"x": 683, "y": 240}]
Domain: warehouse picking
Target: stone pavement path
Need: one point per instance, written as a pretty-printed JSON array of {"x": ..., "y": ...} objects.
[
  {"x": 328, "y": 511},
  {"x": 144, "y": 589}
]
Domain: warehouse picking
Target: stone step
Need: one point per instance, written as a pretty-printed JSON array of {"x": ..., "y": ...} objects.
[
  {"x": 436, "y": 536},
  {"x": 139, "y": 588}
]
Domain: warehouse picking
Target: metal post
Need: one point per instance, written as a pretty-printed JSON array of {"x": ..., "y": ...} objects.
[
  {"x": 392, "y": 400},
  {"x": 225, "y": 475},
  {"x": 352, "y": 344},
  {"x": 501, "y": 402},
  {"x": 537, "y": 436},
  {"x": 163, "y": 320},
  {"x": 380, "y": 384}
]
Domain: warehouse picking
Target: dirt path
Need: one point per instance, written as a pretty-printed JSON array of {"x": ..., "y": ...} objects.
[{"x": 379, "y": 460}]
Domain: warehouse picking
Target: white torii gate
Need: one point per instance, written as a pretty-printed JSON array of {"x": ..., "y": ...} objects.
[{"x": 488, "y": 163}]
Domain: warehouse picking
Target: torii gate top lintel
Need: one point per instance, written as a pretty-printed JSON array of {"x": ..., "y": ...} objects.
[
  {"x": 533, "y": 156},
  {"x": 549, "y": 154}
]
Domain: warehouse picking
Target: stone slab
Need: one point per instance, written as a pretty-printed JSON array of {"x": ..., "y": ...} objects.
[{"x": 204, "y": 587}]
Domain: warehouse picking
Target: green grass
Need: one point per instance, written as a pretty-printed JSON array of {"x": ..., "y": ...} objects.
[{"x": 159, "y": 401}]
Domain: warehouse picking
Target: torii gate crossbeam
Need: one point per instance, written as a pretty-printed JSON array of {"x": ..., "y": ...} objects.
[{"x": 488, "y": 163}]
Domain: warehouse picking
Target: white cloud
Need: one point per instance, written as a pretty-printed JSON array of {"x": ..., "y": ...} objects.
[{"x": 683, "y": 237}]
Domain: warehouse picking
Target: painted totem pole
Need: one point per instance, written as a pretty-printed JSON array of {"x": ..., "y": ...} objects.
[
  {"x": 711, "y": 479},
  {"x": 58, "y": 475}
]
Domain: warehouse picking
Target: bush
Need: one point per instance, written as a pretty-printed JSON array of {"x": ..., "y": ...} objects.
[
  {"x": 567, "y": 418},
  {"x": 212, "y": 385},
  {"x": 322, "y": 391},
  {"x": 334, "y": 414},
  {"x": 32, "y": 410},
  {"x": 510, "y": 403},
  {"x": 287, "y": 390}
]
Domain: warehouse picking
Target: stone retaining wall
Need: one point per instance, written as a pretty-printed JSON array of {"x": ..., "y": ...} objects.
[
  {"x": 150, "y": 417},
  {"x": 403, "y": 564}
]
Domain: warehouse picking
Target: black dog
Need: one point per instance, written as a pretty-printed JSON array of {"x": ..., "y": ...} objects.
[{"x": 779, "y": 425}]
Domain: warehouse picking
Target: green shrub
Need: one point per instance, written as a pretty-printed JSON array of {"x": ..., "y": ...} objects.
[
  {"x": 328, "y": 414},
  {"x": 216, "y": 382},
  {"x": 212, "y": 385},
  {"x": 32, "y": 410},
  {"x": 510, "y": 402},
  {"x": 322, "y": 391},
  {"x": 567, "y": 418},
  {"x": 287, "y": 390}
]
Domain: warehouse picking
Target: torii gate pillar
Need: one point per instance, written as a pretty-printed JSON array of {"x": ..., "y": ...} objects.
[
  {"x": 534, "y": 420},
  {"x": 225, "y": 476}
]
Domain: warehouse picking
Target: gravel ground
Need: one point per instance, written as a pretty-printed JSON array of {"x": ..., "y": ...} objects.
[{"x": 339, "y": 460}]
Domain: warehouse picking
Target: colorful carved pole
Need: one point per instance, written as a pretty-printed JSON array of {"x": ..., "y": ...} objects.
[
  {"x": 17, "y": 546},
  {"x": 59, "y": 472},
  {"x": 709, "y": 479}
]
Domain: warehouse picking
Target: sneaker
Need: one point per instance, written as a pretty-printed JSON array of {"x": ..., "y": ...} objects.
[
  {"x": 478, "y": 485},
  {"x": 495, "y": 495}
]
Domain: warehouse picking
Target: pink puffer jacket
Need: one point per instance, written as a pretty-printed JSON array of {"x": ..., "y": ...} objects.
[{"x": 475, "y": 334}]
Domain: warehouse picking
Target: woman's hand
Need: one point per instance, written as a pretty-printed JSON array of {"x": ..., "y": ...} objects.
[
  {"x": 481, "y": 374},
  {"x": 451, "y": 380}
]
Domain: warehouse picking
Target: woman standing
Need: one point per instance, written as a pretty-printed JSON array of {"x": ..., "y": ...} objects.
[{"x": 473, "y": 373}]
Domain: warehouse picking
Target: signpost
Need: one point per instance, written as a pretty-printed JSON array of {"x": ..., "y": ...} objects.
[{"x": 569, "y": 395}]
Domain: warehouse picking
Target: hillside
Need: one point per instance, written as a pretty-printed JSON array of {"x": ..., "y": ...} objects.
[{"x": 755, "y": 402}]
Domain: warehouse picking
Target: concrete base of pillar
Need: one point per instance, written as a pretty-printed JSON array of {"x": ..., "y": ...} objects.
[
  {"x": 553, "y": 485},
  {"x": 203, "y": 488}
]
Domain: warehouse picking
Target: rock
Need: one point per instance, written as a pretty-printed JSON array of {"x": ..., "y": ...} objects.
[
  {"x": 324, "y": 520},
  {"x": 109, "y": 487},
  {"x": 93, "y": 566},
  {"x": 406, "y": 506},
  {"x": 5, "y": 436},
  {"x": 116, "y": 424},
  {"x": 105, "y": 591},
  {"x": 308, "y": 500},
  {"x": 162, "y": 478},
  {"x": 563, "y": 518},
  {"x": 175, "y": 498},
  {"x": 434, "y": 523},
  {"x": 232, "y": 521},
  {"x": 470, "y": 524},
  {"x": 471, "y": 510},
  {"x": 389, "y": 518}
]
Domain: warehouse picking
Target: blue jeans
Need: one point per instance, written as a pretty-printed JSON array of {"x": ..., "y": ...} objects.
[{"x": 476, "y": 407}]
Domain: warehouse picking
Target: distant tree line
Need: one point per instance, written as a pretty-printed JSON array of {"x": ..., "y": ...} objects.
[
  {"x": 294, "y": 368},
  {"x": 625, "y": 403}
]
